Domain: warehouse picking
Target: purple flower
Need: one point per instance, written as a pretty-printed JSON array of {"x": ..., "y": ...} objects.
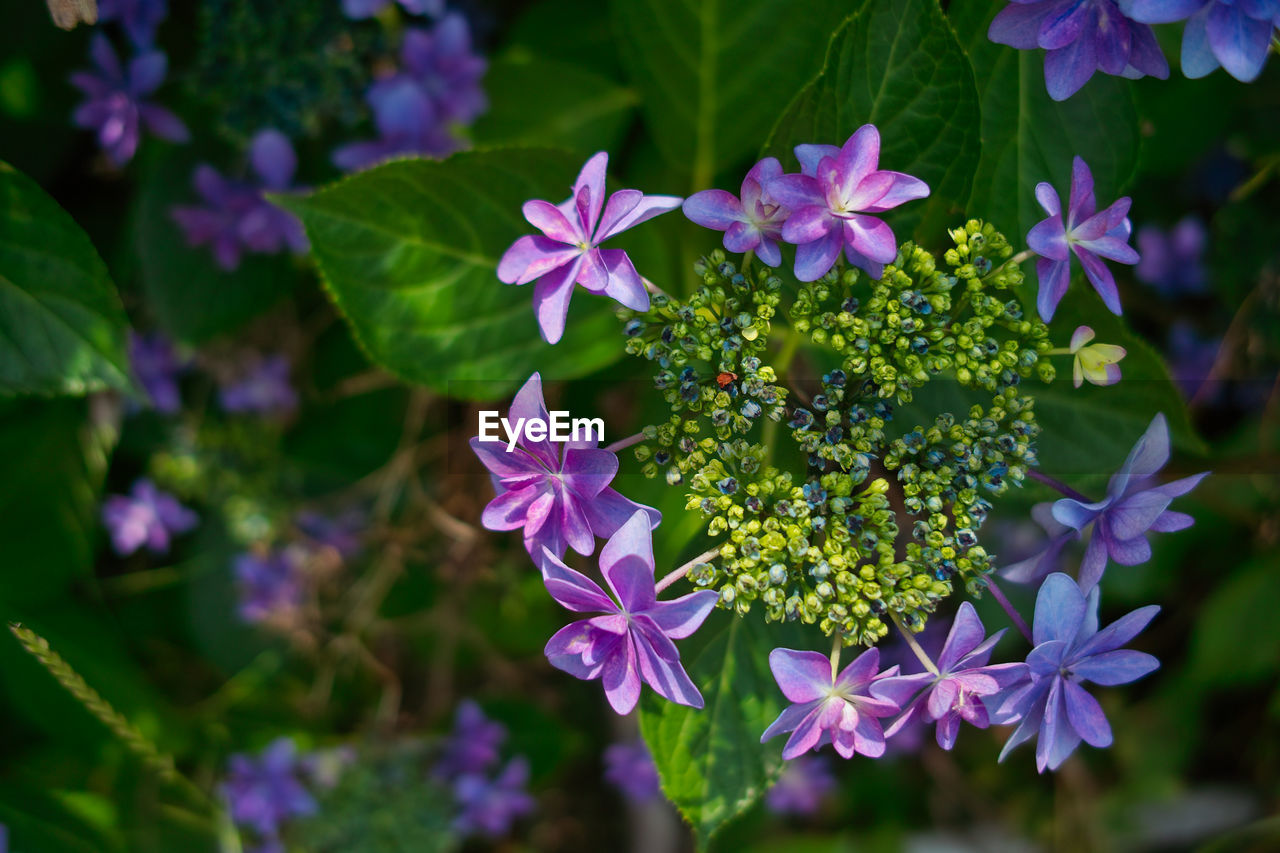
[
  {"x": 341, "y": 532},
  {"x": 559, "y": 494},
  {"x": 263, "y": 390},
  {"x": 1040, "y": 563},
  {"x": 145, "y": 517},
  {"x": 569, "y": 250},
  {"x": 1131, "y": 508},
  {"x": 1091, "y": 234},
  {"x": 1069, "y": 651},
  {"x": 1235, "y": 34},
  {"x": 843, "y": 710},
  {"x": 361, "y": 9},
  {"x": 631, "y": 642},
  {"x": 802, "y": 787},
  {"x": 236, "y": 217},
  {"x": 1191, "y": 357},
  {"x": 488, "y": 807},
  {"x": 829, "y": 202},
  {"x": 117, "y": 106},
  {"x": 753, "y": 223},
  {"x": 472, "y": 747},
  {"x": 157, "y": 366},
  {"x": 629, "y": 767},
  {"x": 1080, "y": 37},
  {"x": 263, "y": 793},
  {"x": 958, "y": 690},
  {"x": 139, "y": 18},
  {"x": 1173, "y": 262},
  {"x": 270, "y": 585}
]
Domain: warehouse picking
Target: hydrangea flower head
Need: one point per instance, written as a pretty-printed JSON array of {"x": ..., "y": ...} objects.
[
  {"x": 264, "y": 792},
  {"x": 1173, "y": 261},
  {"x": 630, "y": 642},
  {"x": 117, "y": 104},
  {"x": 1233, "y": 34},
  {"x": 629, "y": 767},
  {"x": 489, "y": 807},
  {"x": 1080, "y": 37},
  {"x": 1131, "y": 508},
  {"x": 360, "y": 9},
  {"x": 751, "y": 222},
  {"x": 567, "y": 252},
  {"x": 472, "y": 746},
  {"x": 1070, "y": 651},
  {"x": 802, "y": 787},
  {"x": 1099, "y": 363},
  {"x": 146, "y": 517},
  {"x": 1091, "y": 234},
  {"x": 156, "y": 364},
  {"x": 270, "y": 585},
  {"x": 843, "y": 710},
  {"x": 559, "y": 494},
  {"x": 263, "y": 390},
  {"x": 139, "y": 18},
  {"x": 830, "y": 202}
]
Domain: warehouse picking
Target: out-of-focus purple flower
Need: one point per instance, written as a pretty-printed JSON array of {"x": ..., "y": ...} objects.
[
  {"x": 568, "y": 250},
  {"x": 559, "y": 494},
  {"x": 1099, "y": 363},
  {"x": 340, "y": 532},
  {"x": 1089, "y": 233},
  {"x": 1080, "y": 37},
  {"x": 407, "y": 125},
  {"x": 236, "y": 217},
  {"x": 750, "y": 223},
  {"x": 270, "y": 585},
  {"x": 1173, "y": 261},
  {"x": 958, "y": 691},
  {"x": 264, "y": 792},
  {"x": 844, "y": 710},
  {"x": 831, "y": 199},
  {"x": 1069, "y": 651},
  {"x": 631, "y": 642},
  {"x": 629, "y": 767},
  {"x": 1191, "y": 357},
  {"x": 472, "y": 746},
  {"x": 145, "y": 517},
  {"x": 489, "y": 807},
  {"x": 802, "y": 787},
  {"x": 1234, "y": 34},
  {"x": 1035, "y": 566},
  {"x": 139, "y": 18},
  {"x": 4, "y": 838},
  {"x": 361, "y": 9},
  {"x": 117, "y": 104},
  {"x": 156, "y": 364},
  {"x": 1131, "y": 508},
  {"x": 263, "y": 390}
]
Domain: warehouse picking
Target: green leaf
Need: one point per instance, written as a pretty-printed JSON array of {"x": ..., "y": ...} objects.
[
  {"x": 713, "y": 74},
  {"x": 1227, "y": 647},
  {"x": 409, "y": 250},
  {"x": 62, "y": 327},
  {"x": 1027, "y": 137},
  {"x": 711, "y": 761},
  {"x": 899, "y": 66}
]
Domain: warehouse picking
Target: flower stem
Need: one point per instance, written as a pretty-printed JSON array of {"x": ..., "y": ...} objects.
[
  {"x": 675, "y": 575},
  {"x": 915, "y": 647},
  {"x": 1025, "y": 254},
  {"x": 624, "y": 443},
  {"x": 1058, "y": 351},
  {"x": 653, "y": 288},
  {"x": 835, "y": 655},
  {"x": 1054, "y": 484},
  {"x": 1014, "y": 616}
]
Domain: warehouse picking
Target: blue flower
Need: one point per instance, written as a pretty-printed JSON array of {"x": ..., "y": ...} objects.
[
  {"x": 264, "y": 792},
  {"x": 629, "y": 767},
  {"x": 1173, "y": 261},
  {"x": 800, "y": 790},
  {"x": 360, "y": 9},
  {"x": 489, "y": 807},
  {"x": 270, "y": 586},
  {"x": 139, "y": 18},
  {"x": 156, "y": 365},
  {"x": 1234, "y": 34},
  {"x": 473, "y": 745},
  {"x": 263, "y": 390}
]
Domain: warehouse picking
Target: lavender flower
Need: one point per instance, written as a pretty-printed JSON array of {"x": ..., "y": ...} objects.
[
  {"x": 117, "y": 106},
  {"x": 489, "y": 807},
  {"x": 803, "y": 785},
  {"x": 340, "y": 533},
  {"x": 629, "y": 767},
  {"x": 829, "y": 202},
  {"x": 569, "y": 252},
  {"x": 1040, "y": 563},
  {"x": 156, "y": 365},
  {"x": 1131, "y": 508},
  {"x": 560, "y": 495},
  {"x": 1234, "y": 34},
  {"x": 631, "y": 643},
  {"x": 1173, "y": 262},
  {"x": 263, "y": 390},
  {"x": 1069, "y": 651},
  {"x": 145, "y": 517},
  {"x": 843, "y": 710},
  {"x": 1080, "y": 37},
  {"x": 1090, "y": 234},
  {"x": 753, "y": 223},
  {"x": 236, "y": 217},
  {"x": 270, "y": 585},
  {"x": 361, "y": 9},
  {"x": 265, "y": 792},
  {"x": 1096, "y": 362},
  {"x": 472, "y": 747},
  {"x": 139, "y": 18}
]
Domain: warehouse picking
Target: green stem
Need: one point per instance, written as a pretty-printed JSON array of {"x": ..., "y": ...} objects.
[{"x": 915, "y": 647}]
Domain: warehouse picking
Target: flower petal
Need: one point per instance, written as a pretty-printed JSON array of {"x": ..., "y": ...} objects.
[
  {"x": 680, "y": 617},
  {"x": 1085, "y": 715},
  {"x": 626, "y": 561},
  {"x": 813, "y": 260},
  {"x": 1060, "y": 608},
  {"x": 801, "y": 676},
  {"x": 1113, "y": 668},
  {"x": 715, "y": 209},
  {"x": 551, "y": 296}
]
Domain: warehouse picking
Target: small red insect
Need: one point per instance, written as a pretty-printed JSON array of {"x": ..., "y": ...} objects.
[{"x": 725, "y": 379}]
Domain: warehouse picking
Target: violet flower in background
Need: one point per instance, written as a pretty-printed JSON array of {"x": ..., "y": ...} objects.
[
  {"x": 1131, "y": 508},
  {"x": 156, "y": 364},
  {"x": 263, "y": 793},
  {"x": 1070, "y": 651},
  {"x": 1089, "y": 233},
  {"x": 264, "y": 389},
  {"x": 340, "y": 532},
  {"x": 407, "y": 125},
  {"x": 1043, "y": 561},
  {"x": 117, "y": 105},
  {"x": 1233, "y": 34},
  {"x": 802, "y": 787},
  {"x": 631, "y": 642},
  {"x": 361, "y": 9},
  {"x": 138, "y": 18},
  {"x": 629, "y": 767},
  {"x": 829, "y": 202},
  {"x": 1098, "y": 363},
  {"x": 559, "y": 495},
  {"x": 472, "y": 746},
  {"x": 489, "y": 807},
  {"x": 568, "y": 250},
  {"x": 1173, "y": 261},
  {"x": 843, "y": 710},
  {"x": 236, "y": 217},
  {"x": 1191, "y": 357},
  {"x": 146, "y": 517},
  {"x": 752, "y": 223},
  {"x": 270, "y": 585},
  {"x": 1080, "y": 37}
]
